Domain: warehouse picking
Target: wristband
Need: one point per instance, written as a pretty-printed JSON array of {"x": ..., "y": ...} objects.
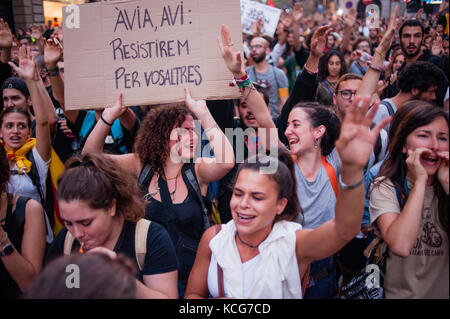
[
  {"x": 383, "y": 56},
  {"x": 246, "y": 83},
  {"x": 104, "y": 121},
  {"x": 309, "y": 71},
  {"x": 242, "y": 79},
  {"x": 352, "y": 186},
  {"x": 377, "y": 68}
]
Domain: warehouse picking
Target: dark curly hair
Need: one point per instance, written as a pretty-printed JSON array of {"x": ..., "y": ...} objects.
[
  {"x": 419, "y": 75},
  {"x": 152, "y": 141}
]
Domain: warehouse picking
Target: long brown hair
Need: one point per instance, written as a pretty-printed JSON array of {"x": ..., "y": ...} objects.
[
  {"x": 96, "y": 180},
  {"x": 412, "y": 115}
]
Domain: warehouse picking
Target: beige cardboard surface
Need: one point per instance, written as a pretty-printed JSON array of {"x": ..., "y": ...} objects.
[{"x": 148, "y": 50}]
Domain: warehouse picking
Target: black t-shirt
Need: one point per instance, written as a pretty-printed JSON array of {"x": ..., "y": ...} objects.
[{"x": 160, "y": 256}]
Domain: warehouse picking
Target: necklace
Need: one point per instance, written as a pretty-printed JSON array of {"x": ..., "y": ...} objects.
[
  {"x": 246, "y": 244},
  {"x": 157, "y": 189}
]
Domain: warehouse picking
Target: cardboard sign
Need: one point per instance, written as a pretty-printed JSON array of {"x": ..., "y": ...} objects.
[
  {"x": 149, "y": 50},
  {"x": 253, "y": 11}
]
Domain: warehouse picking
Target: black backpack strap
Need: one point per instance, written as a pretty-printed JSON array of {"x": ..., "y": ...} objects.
[
  {"x": 34, "y": 176},
  {"x": 145, "y": 177},
  {"x": 189, "y": 172},
  {"x": 378, "y": 146},
  {"x": 389, "y": 107}
]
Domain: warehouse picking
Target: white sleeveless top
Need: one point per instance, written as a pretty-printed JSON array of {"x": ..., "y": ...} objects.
[
  {"x": 272, "y": 274},
  {"x": 248, "y": 276}
]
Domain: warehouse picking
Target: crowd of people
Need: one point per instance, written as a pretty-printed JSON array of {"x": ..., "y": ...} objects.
[{"x": 345, "y": 151}]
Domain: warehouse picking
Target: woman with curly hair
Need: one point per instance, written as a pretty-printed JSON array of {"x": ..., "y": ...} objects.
[
  {"x": 166, "y": 144},
  {"x": 102, "y": 212},
  {"x": 331, "y": 67},
  {"x": 409, "y": 203}
]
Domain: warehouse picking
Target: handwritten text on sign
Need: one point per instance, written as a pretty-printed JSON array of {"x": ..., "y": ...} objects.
[{"x": 149, "y": 50}]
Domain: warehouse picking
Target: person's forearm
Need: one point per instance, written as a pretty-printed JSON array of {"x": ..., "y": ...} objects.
[
  {"x": 345, "y": 39},
  {"x": 402, "y": 233},
  {"x": 350, "y": 204},
  {"x": 128, "y": 120},
  {"x": 57, "y": 85},
  {"x": 41, "y": 101},
  {"x": 6, "y": 55},
  {"x": 96, "y": 139},
  {"x": 223, "y": 151},
  {"x": 370, "y": 80},
  {"x": 144, "y": 292}
]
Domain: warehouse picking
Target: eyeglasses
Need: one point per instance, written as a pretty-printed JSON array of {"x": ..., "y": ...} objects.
[
  {"x": 347, "y": 94},
  {"x": 363, "y": 46},
  {"x": 256, "y": 46}
]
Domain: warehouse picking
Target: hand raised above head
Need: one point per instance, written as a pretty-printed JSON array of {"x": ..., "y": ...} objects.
[
  {"x": 27, "y": 69},
  {"x": 6, "y": 38},
  {"x": 356, "y": 140},
  {"x": 319, "y": 39},
  {"x": 232, "y": 58},
  {"x": 52, "y": 52}
]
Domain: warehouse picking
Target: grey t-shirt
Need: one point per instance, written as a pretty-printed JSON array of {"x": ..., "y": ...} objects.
[
  {"x": 276, "y": 79},
  {"x": 383, "y": 112},
  {"x": 317, "y": 198}
]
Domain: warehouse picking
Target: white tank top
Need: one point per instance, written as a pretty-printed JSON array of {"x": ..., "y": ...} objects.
[{"x": 248, "y": 274}]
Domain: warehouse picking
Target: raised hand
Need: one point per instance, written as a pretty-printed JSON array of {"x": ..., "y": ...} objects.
[
  {"x": 196, "y": 107},
  {"x": 36, "y": 31},
  {"x": 52, "y": 52},
  {"x": 350, "y": 18},
  {"x": 6, "y": 37},
  {"x": 297, "y": 13},
  {"x": 232, "y": 58},
  {"x": 27, "y": 69},
  {"x": 110, "y": 114},
  {"x": 356, "y": 140},
  {"x": 386, "y": 41},
  {"x": 319, "y": 39}
]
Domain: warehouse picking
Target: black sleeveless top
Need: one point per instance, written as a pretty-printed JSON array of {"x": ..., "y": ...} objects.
[{"x": 14, "y": 226}]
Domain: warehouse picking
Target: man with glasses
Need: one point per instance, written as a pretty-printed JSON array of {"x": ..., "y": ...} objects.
[
  {"x": 343, "y": 97},
  {"x": 271, "y": 78}
]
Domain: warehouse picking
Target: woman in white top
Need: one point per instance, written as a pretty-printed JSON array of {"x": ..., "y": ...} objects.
[{"x": 262, "y": 252}]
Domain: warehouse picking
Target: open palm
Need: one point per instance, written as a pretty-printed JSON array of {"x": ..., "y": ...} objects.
[
  {"x": 357, "y": 140},
  {"x": 6, "y": 37},
  {"x": 52, "y": 52},
  {"x": 27, "y": 67}
]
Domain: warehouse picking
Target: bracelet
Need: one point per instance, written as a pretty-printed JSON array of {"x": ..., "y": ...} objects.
[
  {"x": 246, "y": 83},
  {"x": 4, "y": 239},
  {"x": 104, "y": 121},
  {"x": 380, "y": 53},
  {"x": 242, "y": 79},
  {"x": 309, "y": 71},
  {"x": 249, "y": 91},
  {"x": 377, "y": 68},
  {"x": 347, "y": 187}
]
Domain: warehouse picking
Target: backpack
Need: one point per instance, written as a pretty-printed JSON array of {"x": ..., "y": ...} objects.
[
  {"x": 363, "y": 286},
  {"x": 49, "y": 202},
  {"x": 140, "y": 242},
  {"x": 88, "y": 125},
  {"x": 188, "y": 173}
]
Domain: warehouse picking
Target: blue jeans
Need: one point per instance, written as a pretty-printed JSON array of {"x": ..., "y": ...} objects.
[{"x": 326, "y": 287}]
